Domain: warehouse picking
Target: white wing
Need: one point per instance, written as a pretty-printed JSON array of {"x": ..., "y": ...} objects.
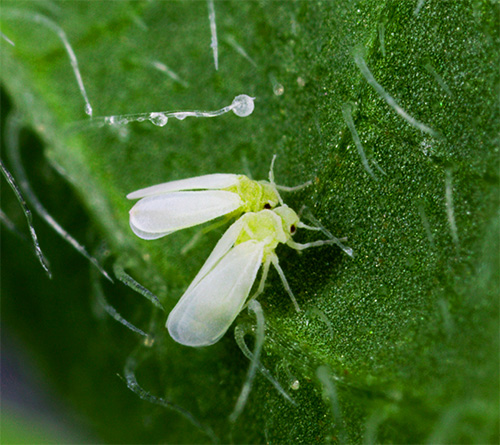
[
  {"x": 207, "y": 182},
  {"x": 205, "y": 312},
  {"x": 221, "y": 248},
  {"x": 156, "y": 216}
]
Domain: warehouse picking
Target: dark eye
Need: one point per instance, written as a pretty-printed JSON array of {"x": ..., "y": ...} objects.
[
  {"x": 293, "y": 228},
  {"x": 267, "y": 206}
]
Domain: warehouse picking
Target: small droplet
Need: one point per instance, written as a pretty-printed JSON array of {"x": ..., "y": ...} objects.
[
  {"x": 181, "y": 116},
  {"x": 278, "y": 89},
  {"x": 243, "y": 105},
  {"x": 158, "y": 119},
  {"x": 88, "y": 110},
  {"x": 115, "y": 120}
]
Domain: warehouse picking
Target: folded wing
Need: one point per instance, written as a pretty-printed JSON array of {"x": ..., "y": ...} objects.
[
  {"x": 156, "y": 216},
  {"x": 223, "y": 246},
  {"x": 217, "y": 181},
  {"x": 207, "y": 309}
]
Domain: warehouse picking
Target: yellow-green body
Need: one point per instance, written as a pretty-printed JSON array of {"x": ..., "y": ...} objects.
[
  {"x": 255, "y": 195},
  {"x": 271, "y": 227}
]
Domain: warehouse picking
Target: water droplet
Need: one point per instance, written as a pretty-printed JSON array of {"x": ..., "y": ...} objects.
[
  {"x": 88, "y": 110},
  {"x": 243, "y": 105},
  {"x": 158, "y": 119},
  {"x": 181, "y": 116},
  {"x": 278, "y": 89}
]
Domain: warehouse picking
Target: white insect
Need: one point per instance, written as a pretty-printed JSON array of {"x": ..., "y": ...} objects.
[
  {"x": 176, "y": 205},
  {"x": 220, "y": 290}
]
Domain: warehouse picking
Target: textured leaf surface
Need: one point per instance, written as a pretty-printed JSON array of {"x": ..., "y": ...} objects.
[{"x": 398, "y": 344}]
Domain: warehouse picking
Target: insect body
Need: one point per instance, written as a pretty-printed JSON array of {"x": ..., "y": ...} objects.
[
  {"x": 221, "y": 288},
  {"x": 176, "y": 205}
]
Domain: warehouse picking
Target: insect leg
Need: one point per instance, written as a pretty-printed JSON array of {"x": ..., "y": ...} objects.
[{"x": 274, "y": 260}]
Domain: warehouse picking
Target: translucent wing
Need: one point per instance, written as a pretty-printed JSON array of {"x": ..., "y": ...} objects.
[
  {"x": 221, "y": 248},
  {"x": 207, "y": 182},
  {"x": 155, "y": 216},
  {"x": 207, "y": 309}
]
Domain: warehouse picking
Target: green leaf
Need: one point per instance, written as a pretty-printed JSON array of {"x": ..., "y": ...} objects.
[{"x": 397, "y": 344}]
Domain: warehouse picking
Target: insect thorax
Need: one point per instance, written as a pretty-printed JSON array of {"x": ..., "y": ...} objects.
[
  {"x": 256, "y": 195},
  {"x": 264, "y": 226}
]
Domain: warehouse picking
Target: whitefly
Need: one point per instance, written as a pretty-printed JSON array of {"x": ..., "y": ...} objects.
[
  {"x": 222, "y": 287},
  {"x": 171, "y": 206}
]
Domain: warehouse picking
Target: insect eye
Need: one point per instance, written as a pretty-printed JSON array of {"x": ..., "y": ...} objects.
[
  {"x": 267, "y": 206},
  {"x": 293, "y": 228}
]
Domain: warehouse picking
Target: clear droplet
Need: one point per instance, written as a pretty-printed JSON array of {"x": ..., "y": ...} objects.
[
  {"x": 243, "y": 105},
  {"x": 158, "y": 119},
  {"x": 115, "y": 120},
  {"x": 278, "y": 89},
  {"x": 181, "y": 116}
]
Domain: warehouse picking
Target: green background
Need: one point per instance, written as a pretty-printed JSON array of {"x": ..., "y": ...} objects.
[{"x": 407, "y": 329}]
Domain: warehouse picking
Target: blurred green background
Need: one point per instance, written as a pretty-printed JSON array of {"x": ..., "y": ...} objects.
[{"x": 396, "y": 345}]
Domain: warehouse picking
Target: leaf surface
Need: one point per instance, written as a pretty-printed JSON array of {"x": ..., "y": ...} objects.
[{"x": 398, "y": 344}]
